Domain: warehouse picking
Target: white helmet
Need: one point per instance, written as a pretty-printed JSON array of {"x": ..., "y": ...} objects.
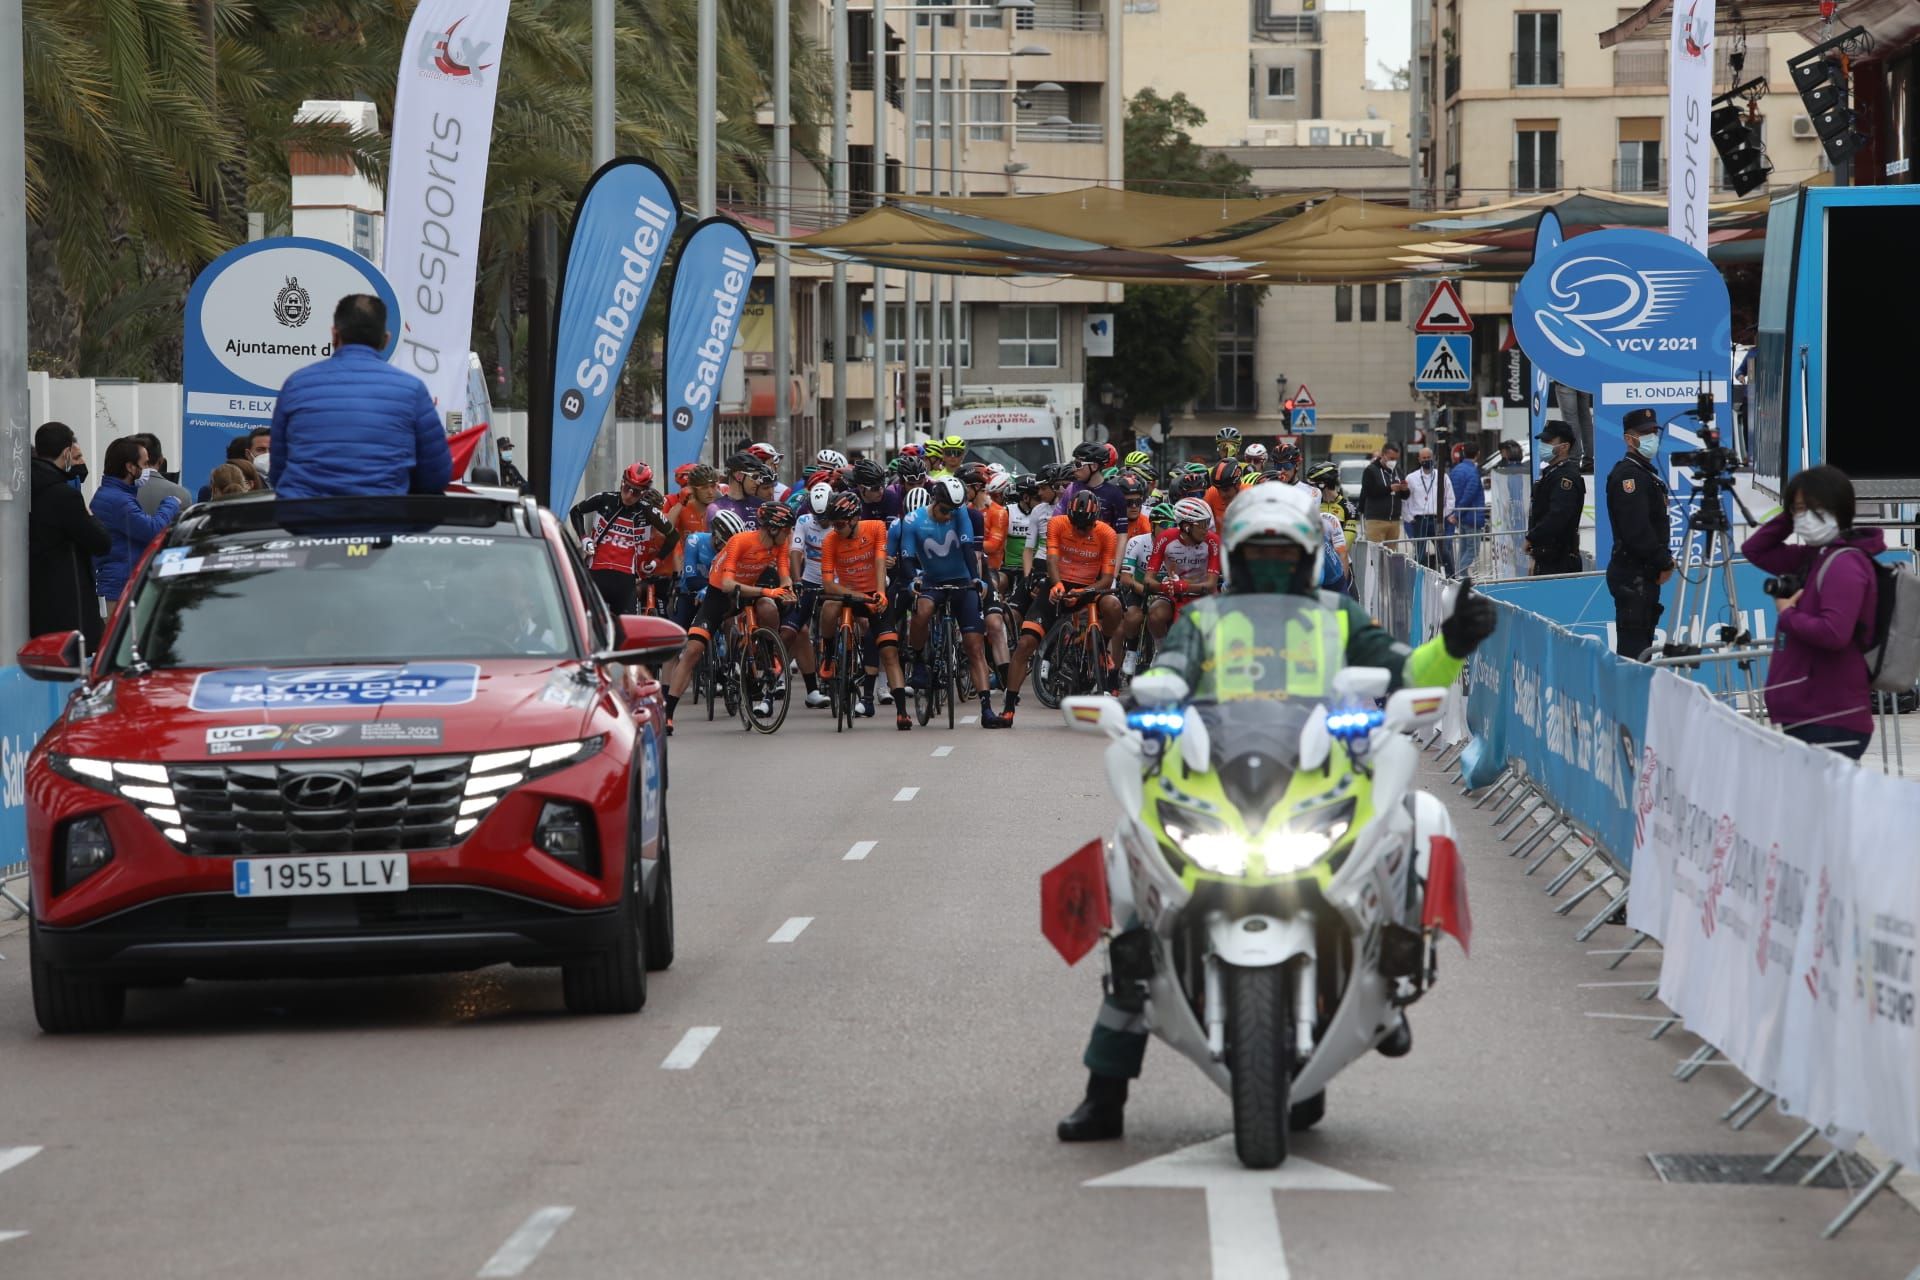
[
  {"x": 818, "y": 497},
  {"x": 830, "y": 458},
  {"x": 765, "y": 452},
  {"x": 1254, "y": 453},
  {"x": 916, "y": 500},
  {"x": 1000, "y": 485},
  {"x": 725, "y": 525},
  {"x": 998, "y": 468},
  {"x": 1275, "y": 511},
  {"x": 950, "y": 489},
  {"x": 1192, "y": 511}
]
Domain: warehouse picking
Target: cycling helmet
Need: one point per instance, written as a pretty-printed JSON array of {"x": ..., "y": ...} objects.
[
  {"x": 1191, "y": 483},
  {"x": 682, "y": 472},
  {"x": 1325, "y": 474},
  {"x": 1192, "y": 511},
  {"x": 1162, "y": 514},
  {"x": 954, "y": 445},
  {"x": 1226, "y": 475},
  {"x": 1082, "y": 510},
  {"x": 776, "y": 515},
  {"x": 1266, "y": 516},
  {"x": 1000, "y": 486},
  {"x": 818, "y": 498},
  {"x": 998, "y": 469},
  {"x": 947, "y": 489},
  {"x": 1026, "y": 486},
  {"x": 1138, "y": 459},
  {"x": 830, "y": 459},
  {"x": 1133, "y": 487},
  {"x": 724, "y": 525},
  {"x": 909, "y": 450},
  {"x": 909, "y": 467},
  {"x": 1253, "y": 478},
  {"x": 917, "y": 499},
  {"x": 1094, "y": 454},
  {"x": 831, "y": 479},
  {"x": 1255, "y": 454},
  {"x": 766, "y": 453},
  {"x": 639, "y": 475},
  {"x": 868, "y": 474},
  {"x": 844, "y": 506},
  {"x": 697, "y": 473},
  {"x": 1227, "y": 433},
  {"x": 740, "y": 463},
  {"x": 973, "y": 473}
]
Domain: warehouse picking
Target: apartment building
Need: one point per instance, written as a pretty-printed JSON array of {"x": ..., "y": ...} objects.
[
  {"x": 1291, "y": 100},
  {"x": 1523, "y": 100}
]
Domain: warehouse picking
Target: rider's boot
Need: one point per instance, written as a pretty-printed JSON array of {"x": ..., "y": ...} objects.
[{"x": 1101, "y": 1115}]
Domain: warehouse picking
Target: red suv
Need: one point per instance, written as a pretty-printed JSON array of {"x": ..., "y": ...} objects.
[{"x": 327, "y": 736}]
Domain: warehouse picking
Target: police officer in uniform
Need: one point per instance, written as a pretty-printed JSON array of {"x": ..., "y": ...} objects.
[
  {"x": 1553, "y": 520},
  {"x": 1641, "y": 561}
]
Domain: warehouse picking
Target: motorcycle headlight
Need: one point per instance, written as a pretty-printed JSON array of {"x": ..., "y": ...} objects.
[
  {"x": 1204, "y": 840},
  {"x": 1307, "y": 838}
]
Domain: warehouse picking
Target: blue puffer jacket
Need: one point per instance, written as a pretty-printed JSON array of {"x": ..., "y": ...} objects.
[
  {"x": 354, "y": 424},
  {"x": 130, "y": 528}
]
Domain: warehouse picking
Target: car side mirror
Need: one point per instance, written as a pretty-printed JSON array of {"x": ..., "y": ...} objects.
[
  {"x": 1411, "y": 709},
  {"x": 56, "y": 655},
  {"x": 644, "y": 638}
]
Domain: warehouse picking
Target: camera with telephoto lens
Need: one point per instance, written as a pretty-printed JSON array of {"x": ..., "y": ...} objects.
[{"x": 1787, "y": 584}]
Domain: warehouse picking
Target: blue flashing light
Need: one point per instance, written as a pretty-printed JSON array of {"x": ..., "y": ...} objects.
[
  {"x": 1352, "y": 725},
  {"x": 1165, "y": 724}
]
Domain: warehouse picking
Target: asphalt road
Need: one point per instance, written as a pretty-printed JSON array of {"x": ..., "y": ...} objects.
[{"x": 894, "y": 1043}]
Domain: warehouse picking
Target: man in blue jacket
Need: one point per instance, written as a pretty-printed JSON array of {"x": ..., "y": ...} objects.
[
  {"x": 354, "y": 424},
  {"x": 129, "y": 529}
]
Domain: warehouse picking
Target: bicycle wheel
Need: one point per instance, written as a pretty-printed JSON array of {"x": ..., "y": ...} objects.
[
  {"x": 1049, "y": 673},
  {"x": 926, "y": 701},
  {"x": 952, "y": 663},
  {"x": 762, "y": 679},
  {"x": 842, "y": 687}
]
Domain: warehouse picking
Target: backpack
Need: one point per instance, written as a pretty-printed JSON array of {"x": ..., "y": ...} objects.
[{"x": 1893, "y": 644}]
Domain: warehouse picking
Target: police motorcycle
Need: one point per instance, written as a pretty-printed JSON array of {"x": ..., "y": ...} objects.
[{"x": 1274, "y": 867}]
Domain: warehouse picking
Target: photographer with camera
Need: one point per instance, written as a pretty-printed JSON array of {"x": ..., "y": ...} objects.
[
  {"x": 1641, "y": 562},
  {"x": 1818, "y": 688}
]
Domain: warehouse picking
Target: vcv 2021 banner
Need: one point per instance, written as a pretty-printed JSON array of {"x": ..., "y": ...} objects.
[{"x": 710, "y": 282}]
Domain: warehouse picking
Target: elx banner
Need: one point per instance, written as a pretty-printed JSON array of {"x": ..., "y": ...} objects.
[
  {"x": 1639, "y": 319},
  {"x": 621, "y": 232},
  {"x": 710, "y": 283}
]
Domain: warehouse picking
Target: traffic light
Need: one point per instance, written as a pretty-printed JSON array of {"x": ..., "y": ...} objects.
[
  {"x": 1820, "y": 76},
  {"x": 1286, "y": 414}
]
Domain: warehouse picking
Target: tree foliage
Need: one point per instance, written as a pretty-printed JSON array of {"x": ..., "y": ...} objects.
[{"x": 1163, "y": 352}]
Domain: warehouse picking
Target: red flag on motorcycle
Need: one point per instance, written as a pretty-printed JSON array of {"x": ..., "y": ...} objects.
[
  {"x": 1446, "y": 905},
  {"x": 1074, "y": 909}
]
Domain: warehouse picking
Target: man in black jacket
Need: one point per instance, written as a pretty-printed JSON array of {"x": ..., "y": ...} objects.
[
  {"x": 1380, "y": 491},
  {"x": 1559, "y": 498},
  {"x": 1642, "y": 559},
  {"x": 63, "y": 537}
]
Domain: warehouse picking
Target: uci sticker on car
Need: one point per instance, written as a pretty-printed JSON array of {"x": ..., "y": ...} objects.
[
  {"x": 412, "y": 684},
  {"x": 238, "y": 739}
]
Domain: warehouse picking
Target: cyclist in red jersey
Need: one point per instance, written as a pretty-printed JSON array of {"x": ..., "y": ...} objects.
[
  {"x": 1185, "y": 564},
  {"x": 628, "y": 540}
]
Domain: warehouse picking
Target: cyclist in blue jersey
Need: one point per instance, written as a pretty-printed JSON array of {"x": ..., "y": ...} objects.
[
  {"x": 939, "y": 540},
  {"x": 893, "y": 623}
]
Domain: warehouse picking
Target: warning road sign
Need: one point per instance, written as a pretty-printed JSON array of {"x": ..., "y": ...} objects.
[
  {"x": 1303, "y": 398},
  {"x": 1442, "y": 362},
  {"x": 1444, "y": 312}
]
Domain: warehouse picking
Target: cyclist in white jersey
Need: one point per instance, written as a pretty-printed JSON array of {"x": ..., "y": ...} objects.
[
  {"x": 796, "y": 628},
  {"x": 1184, "y": 564}
]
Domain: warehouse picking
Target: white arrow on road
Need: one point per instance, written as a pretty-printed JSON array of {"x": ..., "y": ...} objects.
[{"x": 1241, "y": 1221}]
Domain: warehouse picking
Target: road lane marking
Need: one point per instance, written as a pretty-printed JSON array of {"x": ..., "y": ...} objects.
[
  {"x": 11, "y": 1156},
  {"x": 859, "y": 851},
  {"x": 967, "y": 719},
  {"x": 791, "y": 929},
  {"x": 525, "y": 1244},
  {"x": 942, "y": 751},
  {"x": 691, "y": 1046},
  {"x": 906, "y": 793},
  {"x": 10, "y": 1235}
]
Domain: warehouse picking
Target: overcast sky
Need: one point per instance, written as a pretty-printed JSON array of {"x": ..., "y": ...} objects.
[{"x": 1388, "y": 29}]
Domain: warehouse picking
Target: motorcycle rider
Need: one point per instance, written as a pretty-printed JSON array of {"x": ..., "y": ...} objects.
[{"x": 1273, "y": 544}]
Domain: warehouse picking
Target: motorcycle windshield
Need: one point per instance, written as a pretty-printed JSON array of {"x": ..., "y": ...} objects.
[{"x": 1240, "y": 648}]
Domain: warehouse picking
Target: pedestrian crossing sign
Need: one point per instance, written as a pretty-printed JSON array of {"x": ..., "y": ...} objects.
[{"x": 1443, "y": 362}]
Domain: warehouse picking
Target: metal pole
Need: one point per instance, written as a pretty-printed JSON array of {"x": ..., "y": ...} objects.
[
  {"x": 603, "y": 465},
  {"x": 13, "y": 334},
  {"x": 880, "y": 423},
  {"x": 707, "y": 103},
  {"x": 954, "y": 116},
  {"x": 782, "y": 225},
  {"x": 910, "y": 183},
  {"x": 840, "y": 210}
]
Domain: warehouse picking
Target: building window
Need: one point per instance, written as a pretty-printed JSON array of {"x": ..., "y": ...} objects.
[
  {"x": 1392, "y": 292},
  {"x": 1637, "y": 167},
  {"x": 1280, "y": 82},
  {"x": 365, "y": 242},
  {"x": 1319, "y": 135},
  {"x": 1029, "y": 337},
  {"x": 1343, "y": 303},
  {"x": 987, "y": 112},
  {"x": 1369, "y": 303},
  {"x": 1234, "y": 390},
  {"x": 923, "y": 108},
  {"x": 1536, "y": 50},
  {"x": 1536, "y": 155},
  {"x": 923, "y": 349}
]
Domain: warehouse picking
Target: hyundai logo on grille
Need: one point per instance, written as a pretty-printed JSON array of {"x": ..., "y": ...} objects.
[{"x": 318, "y": 790}]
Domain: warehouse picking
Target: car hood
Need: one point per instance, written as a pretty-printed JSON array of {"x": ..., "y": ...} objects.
[{"x": 347, "y": 710}]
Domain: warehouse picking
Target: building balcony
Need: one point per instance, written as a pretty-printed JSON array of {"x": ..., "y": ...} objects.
[
  {"x": 1535, "y": 70},
  {"x": 1050, "y": 15},
  {"x": 1533, "y": 179},
  {"x": 1631, "y": 177},
  {"x": 1452, "y": 176},
  {"x": 1095, "y": 133},
  {"x": 1643, "y": 65},
  {"x": 1450, "y": 78}
]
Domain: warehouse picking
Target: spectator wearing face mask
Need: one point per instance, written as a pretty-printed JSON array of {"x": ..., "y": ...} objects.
[
  {"x": 509, "y": 474},
  {"x": 1428, "y": 509},
  {"x": 1818, "y": 688},
  {"x": 62, "y": 539},
  {"x": 116, "y": 504}
]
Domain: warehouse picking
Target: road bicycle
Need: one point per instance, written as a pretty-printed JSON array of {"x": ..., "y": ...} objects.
[
  {"x": 843, "y": 655},
  {"x": 950, "y": 675},
  {"x": 1073, "y": 655},
  {"x": 759, "y": 669}
]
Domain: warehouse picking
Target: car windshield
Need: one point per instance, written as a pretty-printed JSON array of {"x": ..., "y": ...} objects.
[
  {"x": 272, "y": 597},
  {"x": 1022, "y": 455},
  {"x": 1250, "y": 646}
]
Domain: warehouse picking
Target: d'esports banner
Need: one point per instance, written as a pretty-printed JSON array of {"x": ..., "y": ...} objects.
[
  {"x": 710, "y": 283},
  {"x": 621, "y": 232}
]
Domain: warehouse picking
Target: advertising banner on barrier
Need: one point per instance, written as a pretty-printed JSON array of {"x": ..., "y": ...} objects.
[
  {"x": 710, "y": 282},
  {"x": 437, "y": 184},
  {"x": 254, "y": 315},
  {"x": 27, "y": 707},
  {"x": 622, "y": 229},
  {"x": 1789, "y": 928}
]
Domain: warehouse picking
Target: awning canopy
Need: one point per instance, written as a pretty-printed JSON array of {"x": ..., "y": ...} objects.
[
  {"x": 1316, "y": 237},
  {"x": 1893, "y": 24}
]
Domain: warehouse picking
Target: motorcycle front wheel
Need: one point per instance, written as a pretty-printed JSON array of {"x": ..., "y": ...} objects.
[{"x": 1259, "y": 1026}]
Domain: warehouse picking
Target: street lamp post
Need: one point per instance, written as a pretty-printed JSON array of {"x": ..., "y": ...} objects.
[
  {"x": 13, "y": 330},
  {"x": 782, "y": 226},
  {"x": 840, "y": 210}
]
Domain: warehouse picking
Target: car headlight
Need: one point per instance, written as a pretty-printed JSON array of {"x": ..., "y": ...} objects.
[
  {"x": 494, "y": 773},
  {"x": 147, "y": 787},
  {"x": 1204, "y": 840}
]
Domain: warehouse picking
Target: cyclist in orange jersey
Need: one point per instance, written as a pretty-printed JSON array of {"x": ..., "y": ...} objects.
[
  {"x": 751, "y": 572},
  {"x": 853, "y": 575},
  {"x": 1082, "y": 555}
]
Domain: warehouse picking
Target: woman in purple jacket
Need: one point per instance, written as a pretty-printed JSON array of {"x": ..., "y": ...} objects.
[{"x": 1817, "y": 682}]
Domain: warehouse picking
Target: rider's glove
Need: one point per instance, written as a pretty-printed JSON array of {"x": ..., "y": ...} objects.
[
  {"x": 1472, "y": 621},
  {"x": 1059, "y": 591}
]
